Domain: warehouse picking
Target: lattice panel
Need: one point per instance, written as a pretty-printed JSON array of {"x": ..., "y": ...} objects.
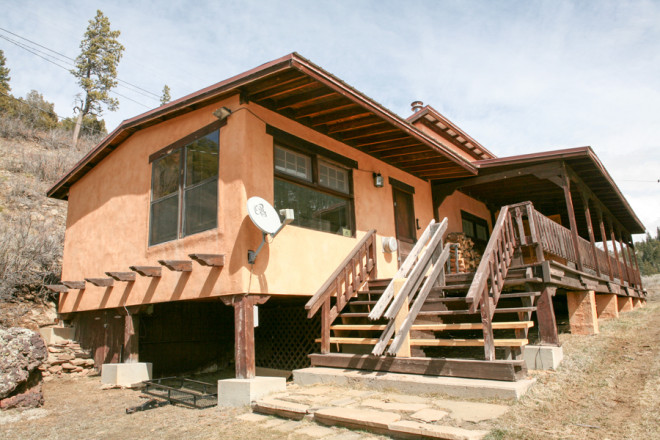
[{"x": 285, "y": 337}]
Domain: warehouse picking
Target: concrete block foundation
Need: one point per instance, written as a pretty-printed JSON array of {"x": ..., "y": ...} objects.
[
  {"x": 57, "y": 335},
  {"x": 607, "y": 306},
  {"x": 582, "y": 313},
  {"x": 126, "y": 375},
  {"x": 543, "y": 357},
  {"x": 414, "y": 384},
  {"x": 242, "y": 392},
  {"x": 625, "y": 304}
]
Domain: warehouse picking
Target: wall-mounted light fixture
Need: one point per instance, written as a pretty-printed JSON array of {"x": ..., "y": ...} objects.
[
  {"x": 222, "y": 113},
  {"x": 378, "y": 180}
]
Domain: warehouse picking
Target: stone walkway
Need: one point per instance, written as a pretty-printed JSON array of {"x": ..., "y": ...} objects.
[{"x": 317, "y": 411}]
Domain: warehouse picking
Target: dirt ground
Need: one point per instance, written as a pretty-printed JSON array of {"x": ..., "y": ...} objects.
[{"x": 608, "y": 387}]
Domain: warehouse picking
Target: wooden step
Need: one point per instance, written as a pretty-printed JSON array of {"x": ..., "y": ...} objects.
[
  {"x": 519, "y": 295},
  {"x": 433, "y": 342},
  {"x": 467, "y": 312},
  {"x": 361, "y": 303},
  {"x": 439, "y": 327}
]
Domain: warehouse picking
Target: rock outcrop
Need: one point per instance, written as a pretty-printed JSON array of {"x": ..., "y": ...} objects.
[{"x": 22, "y": 352}]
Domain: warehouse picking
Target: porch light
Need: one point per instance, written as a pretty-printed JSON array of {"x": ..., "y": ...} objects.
[
  {"x": 378, "y": 180},
  {"x": 222, "y": 113}
]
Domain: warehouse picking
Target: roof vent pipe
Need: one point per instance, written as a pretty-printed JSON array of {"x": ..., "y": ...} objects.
[{"x": 417, "y": 106}]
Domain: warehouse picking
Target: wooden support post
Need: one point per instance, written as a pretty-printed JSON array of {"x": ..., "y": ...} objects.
[
  {"x": 616, "y": 253},
  {"x": 603, "y": 239},
  {"x": 545, "y": 313},
  {"x": 244, "y": 332},
  {"x": 131, "y": 337},
  {"x": 590, "y": 228},
  {"x": 325, "y": 326},
  {"x": 624, "y": 303},
  {"x": 639, "y": 274},
  {"x": 404, "y": 351},
  {"x": 624, "y": 256},
  {"x": 582, "y": 313},
  {"x": 607, "y": 306},
  {"x": 571, "y": 218},
  {"x": 633, "y": 274},
  {"x": 487, "y": 322}
]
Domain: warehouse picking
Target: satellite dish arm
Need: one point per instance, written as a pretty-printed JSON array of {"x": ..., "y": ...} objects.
[{"x": 288, "y": 218}]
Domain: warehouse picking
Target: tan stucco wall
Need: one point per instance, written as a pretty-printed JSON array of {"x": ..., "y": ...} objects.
[
  {"x": 108, "y": 218},
  {"x": 451, "y": 208}
]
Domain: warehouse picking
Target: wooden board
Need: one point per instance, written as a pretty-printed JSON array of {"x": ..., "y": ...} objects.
[
  {"x": 509, "y": 370},
  {"x": 440, "y": 327},
  {"x": 434, "y": 342}
]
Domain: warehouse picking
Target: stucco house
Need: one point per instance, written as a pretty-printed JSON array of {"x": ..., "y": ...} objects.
[{"x": 156, "y": 263}]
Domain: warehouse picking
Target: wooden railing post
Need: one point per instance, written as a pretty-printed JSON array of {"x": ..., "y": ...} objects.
[
  {"x": 571, "y": 219},
  {"x": 325, "y": 326},
  {"x": 487, "y": 324}
]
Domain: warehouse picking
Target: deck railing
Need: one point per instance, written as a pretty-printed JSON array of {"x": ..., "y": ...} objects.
[
  {"x": 343, "y": 284},
  {"x": 557, "y": 240}
]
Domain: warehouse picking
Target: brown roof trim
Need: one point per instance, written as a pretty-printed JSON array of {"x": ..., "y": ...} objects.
[
  {"x": 233, "y": 85},
  {"x": 568, "y": 153},
  {"x": 442, "y": 118}
]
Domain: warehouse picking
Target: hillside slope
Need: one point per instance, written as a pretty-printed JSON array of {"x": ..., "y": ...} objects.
[{"x": 31, "y": 225}]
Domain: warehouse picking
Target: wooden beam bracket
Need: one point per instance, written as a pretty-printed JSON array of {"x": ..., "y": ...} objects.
[
  {"x": 213, "y": 260},
  {"x": 101, "y": 282},
  {"x": 57, "y": 288},
  {"x": 148, "y": 271},
  {"x": 79, "y": 285},
  {"x": 122, "y": 276},
  {"x": 177, "y": 265}
]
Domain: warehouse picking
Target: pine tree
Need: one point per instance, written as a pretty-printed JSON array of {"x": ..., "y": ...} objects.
[
  {"x": 4, "y": 75},
  {"x": 96, "y": 69},
  {"x": 165, "y": 97}
]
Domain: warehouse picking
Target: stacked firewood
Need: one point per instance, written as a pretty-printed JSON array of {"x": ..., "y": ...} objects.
[{"x": 467, "y": 258}]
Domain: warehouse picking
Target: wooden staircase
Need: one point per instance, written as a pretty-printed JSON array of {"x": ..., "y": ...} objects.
[{"x": 444, "y": 320}]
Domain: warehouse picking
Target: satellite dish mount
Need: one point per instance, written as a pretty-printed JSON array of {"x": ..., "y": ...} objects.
[{"x": 264, "y": 217}]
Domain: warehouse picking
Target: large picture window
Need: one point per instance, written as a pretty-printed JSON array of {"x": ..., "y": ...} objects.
[
  {"x": 184, "y": 187},
  {"x": 316, "y": 187},
  {"x": 475, "y": 228}
]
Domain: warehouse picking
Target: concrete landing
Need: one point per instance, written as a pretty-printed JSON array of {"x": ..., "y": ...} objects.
[{"x": 414, "y": 384}]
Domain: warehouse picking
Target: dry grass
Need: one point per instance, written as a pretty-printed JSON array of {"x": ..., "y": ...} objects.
[{"x": 608, "y": 386}]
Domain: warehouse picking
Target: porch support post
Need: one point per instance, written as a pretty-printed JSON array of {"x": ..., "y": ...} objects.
[
  {"x": 244, "y": 332},
  {"x": 639, "y": 274},
  {"x": 607, "y": 306},
  {"x": 545, "y": 313},
  {"x": 631, "y": 252},
  {"x": 603, "y": 239},
  {"x": 624, "y": 256},
  {"x": 582, "y": 313},
  {"x": 131, "y": 337},
  {"x": 590, "y": 228},
  {"x": 566, "y": 185},
  {"x": 616, "y": 253}
]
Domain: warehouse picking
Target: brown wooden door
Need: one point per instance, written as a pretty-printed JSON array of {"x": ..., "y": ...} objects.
[{"x": 404, "y": 219}]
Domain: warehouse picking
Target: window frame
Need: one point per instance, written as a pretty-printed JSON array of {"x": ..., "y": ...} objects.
[
  {"x": 180, "y": 147},
  {"x": 475, "y": 220},
  {"x": 316, "y": 154}
]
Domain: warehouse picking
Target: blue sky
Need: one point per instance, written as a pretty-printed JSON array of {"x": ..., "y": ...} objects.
[{"x": 518, "y": 76}]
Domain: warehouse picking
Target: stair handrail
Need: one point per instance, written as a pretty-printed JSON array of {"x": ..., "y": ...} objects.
[
  {"x": 365, "y": 245},
  {"x": 433, "y": 253},
  {"x": 407, "y": 265},
  {"x": 494, "y": 264}
]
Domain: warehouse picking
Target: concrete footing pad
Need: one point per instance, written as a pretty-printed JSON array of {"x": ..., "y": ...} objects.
[
  {"x": 542, "y": 357},
  {"x": 126, "y": 375},
  {"x": 414, "y": 384},
  {"x": 241, "y": 392}
]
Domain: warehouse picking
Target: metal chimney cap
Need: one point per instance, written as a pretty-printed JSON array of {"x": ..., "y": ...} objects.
[{"x": 417, "y": 106}]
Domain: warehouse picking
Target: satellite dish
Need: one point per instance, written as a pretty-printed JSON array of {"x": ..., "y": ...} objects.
[{"x": 263, "y": 215}]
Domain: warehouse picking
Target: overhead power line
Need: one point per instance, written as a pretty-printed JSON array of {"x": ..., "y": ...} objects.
[{"x": 71, "y": 61}]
